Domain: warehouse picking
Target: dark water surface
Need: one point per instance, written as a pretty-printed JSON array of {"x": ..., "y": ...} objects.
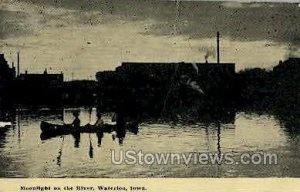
[{"x": 24, "y": 154}]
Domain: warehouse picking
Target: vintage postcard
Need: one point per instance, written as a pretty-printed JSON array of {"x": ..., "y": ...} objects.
[{"x": 149, "y": 95}]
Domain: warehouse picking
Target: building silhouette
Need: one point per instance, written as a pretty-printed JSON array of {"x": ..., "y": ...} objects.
[
  {"x": 7, "y": 73},
  {"x": 42, "y": 80},
  {"x": 38, "y": 89},
  {"x": 291, "y": 65},
  {"x": 79, "y": 92},
  {"x": 160, "y": 87}
]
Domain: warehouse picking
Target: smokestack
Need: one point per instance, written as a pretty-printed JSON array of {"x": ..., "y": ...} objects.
[
  {"x": 218, "y": 47},
  {"x": 18, "y": 63}
]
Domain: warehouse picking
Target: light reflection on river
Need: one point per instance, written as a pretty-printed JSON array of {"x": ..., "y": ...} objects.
[{"x": 23, "y": 154}]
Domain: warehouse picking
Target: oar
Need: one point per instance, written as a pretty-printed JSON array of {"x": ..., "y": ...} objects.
[{"x": 91, "y": 151}]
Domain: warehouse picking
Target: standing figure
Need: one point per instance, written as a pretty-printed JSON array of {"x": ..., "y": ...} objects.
[
  {"x": 121, "y": 132},
  {"x": 99, "y": 126}
]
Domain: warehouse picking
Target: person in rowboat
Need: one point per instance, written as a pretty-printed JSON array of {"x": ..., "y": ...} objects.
[
  {"x": 99, "y": 123},
  {"x": 76, "y": 121}
]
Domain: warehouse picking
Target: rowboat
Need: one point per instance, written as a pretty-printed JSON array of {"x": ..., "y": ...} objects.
[{"x": 50, "y": 130}]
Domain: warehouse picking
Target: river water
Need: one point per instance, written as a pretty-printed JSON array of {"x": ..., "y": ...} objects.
[{"x": 24, "y": 154}]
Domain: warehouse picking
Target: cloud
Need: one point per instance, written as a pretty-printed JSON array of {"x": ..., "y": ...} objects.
[
  {"x": 11, "y": 24},
  {"x": 278, "y": 22},
  {"x": 233, "y": 4},
  {"x": 247, "y": 23}
]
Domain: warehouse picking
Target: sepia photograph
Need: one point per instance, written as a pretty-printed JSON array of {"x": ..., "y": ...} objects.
[{"x": 149, "y": 89}]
